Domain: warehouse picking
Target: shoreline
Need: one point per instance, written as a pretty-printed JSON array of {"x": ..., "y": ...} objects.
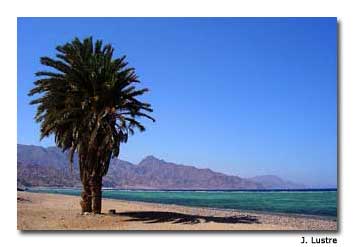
[
  {"x": 309, "y": 216},
  {"x": 245, "y": 211},
  {"x": 44, "y": 211}
]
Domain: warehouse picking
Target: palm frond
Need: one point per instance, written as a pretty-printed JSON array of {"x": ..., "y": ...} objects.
[{"x": 88, "y": 101}]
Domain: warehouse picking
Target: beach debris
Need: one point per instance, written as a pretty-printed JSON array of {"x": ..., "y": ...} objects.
[
  {"x": 20, "y": 199},
  {"x": 111, "y": 211}
]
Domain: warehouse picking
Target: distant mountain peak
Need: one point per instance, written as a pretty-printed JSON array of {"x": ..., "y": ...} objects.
[{"x": 150, "y": 159}]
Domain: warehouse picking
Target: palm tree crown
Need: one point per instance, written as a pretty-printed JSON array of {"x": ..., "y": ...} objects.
[{"x": 89, "y": 102}]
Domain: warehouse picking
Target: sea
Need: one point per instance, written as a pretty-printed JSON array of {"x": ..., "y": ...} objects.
[{"x": 309, "y": 202}]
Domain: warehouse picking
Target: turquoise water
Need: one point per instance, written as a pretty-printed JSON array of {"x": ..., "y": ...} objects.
[{"x": 308, "y": 202}]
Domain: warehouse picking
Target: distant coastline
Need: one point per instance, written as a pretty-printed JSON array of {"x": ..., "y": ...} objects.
[{"x": 185, "y": 190}]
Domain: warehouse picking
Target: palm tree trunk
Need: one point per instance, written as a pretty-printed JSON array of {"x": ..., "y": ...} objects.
[
  {"x": 86, "y": 197},
  {"x": 96, "y": 190}
]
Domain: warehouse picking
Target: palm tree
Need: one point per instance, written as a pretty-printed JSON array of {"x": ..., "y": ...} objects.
[{"x": 89, "y": 102}]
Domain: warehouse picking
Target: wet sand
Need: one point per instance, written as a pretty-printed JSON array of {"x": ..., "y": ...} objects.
[{"x": 39, "y": 211}]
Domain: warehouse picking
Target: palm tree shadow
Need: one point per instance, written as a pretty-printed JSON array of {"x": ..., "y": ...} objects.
[{"x": 151, "y": 217}]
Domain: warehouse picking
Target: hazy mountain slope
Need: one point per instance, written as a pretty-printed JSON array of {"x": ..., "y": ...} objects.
[
  {"x": 274, "y": 182},
  {"x": 38, "y": 166}
]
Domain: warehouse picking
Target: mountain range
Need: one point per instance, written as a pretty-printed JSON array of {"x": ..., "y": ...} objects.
[{"x": 48, "y": 167}]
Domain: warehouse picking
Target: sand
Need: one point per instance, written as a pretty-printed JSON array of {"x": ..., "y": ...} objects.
[{"x": 37, "y": 211}]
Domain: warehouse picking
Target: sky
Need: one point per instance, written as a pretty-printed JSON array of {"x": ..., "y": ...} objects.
[{"x": 242, "y": 96}]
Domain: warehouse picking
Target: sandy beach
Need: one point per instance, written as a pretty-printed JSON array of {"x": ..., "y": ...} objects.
[{"x": 37, "y": 211}]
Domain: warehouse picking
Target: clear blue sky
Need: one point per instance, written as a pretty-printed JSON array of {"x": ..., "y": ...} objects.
[{"x": 243, "y": 96}]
